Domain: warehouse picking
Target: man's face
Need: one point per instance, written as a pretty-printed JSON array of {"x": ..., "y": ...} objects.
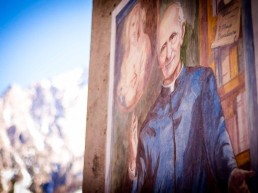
[{"x": 170, "y": 39}]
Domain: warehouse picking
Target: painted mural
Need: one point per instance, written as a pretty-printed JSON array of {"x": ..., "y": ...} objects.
[{"x": 177, "y": 110}]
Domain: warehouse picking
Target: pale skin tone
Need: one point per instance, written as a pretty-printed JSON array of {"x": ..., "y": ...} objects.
[
  {"x": 170, "y": 39},
  {"x": 171, "y": 35},
  {"x": 130, "y": 86},
  {"x": 135, "y": 60}
]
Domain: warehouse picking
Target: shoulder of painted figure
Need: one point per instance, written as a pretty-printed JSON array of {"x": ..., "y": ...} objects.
[
  {"x": 199, "y": 74},
  {"x": 198, "y": 71}
]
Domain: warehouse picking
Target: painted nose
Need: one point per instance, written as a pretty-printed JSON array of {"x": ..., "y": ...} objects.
[{"x": 169, "y": 50}]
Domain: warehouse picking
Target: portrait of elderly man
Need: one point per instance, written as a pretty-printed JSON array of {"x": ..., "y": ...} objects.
[{"x": 183, "y": 144}]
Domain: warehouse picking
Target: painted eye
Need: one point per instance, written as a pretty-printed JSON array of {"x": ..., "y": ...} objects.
[
  {"x": 173, "y": 37},
  {"x": 163, "y": 48}
]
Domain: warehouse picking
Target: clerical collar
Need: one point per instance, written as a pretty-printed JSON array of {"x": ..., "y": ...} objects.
[{"x": 171, "y": 86}]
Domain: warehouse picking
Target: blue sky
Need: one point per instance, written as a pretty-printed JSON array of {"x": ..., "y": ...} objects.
[{"x": 42, "y": 38}]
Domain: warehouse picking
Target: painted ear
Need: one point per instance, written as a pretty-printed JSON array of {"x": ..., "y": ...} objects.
[{"x": 183, "y": 30}]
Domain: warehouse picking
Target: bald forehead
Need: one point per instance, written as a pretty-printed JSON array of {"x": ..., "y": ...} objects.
[
  {"x": 169, "y": 22},
  {"x": 171, "y": 15}
]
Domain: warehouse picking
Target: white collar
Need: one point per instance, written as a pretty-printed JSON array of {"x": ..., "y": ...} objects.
[{"x": 171, "y": 86}]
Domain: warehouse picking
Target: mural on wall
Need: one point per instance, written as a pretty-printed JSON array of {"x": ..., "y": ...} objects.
[
  {"x": 134, "y": 73},
  {"x": 228, "y": 65},
  {"x": 168, "y": 132},
  {"x": 136, "y": 65},
  {"x": 222, "y": 4}
]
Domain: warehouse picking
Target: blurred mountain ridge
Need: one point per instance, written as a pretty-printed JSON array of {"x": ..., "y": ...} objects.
[{"x": 42, "y": 127}]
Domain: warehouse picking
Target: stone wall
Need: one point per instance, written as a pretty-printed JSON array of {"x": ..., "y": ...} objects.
[{"x": 94, "y": 164}]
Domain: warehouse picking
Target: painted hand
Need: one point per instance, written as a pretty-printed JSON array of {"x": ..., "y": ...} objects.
[
  {"x": 237, "y": 180},
  {"x": 133, "y": 145}
]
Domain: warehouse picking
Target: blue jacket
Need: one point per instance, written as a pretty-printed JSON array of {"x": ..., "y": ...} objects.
[{"x": 183, "y": 143}]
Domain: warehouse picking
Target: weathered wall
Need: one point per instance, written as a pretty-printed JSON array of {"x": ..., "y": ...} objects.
[{"x": 94, "y": 164}]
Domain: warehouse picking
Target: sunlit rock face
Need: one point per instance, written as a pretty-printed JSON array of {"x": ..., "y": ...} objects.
[{"x": 42, "y": 133}]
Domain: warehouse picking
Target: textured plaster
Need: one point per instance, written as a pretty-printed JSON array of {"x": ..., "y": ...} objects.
[{"x": 94, "y": 163}]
